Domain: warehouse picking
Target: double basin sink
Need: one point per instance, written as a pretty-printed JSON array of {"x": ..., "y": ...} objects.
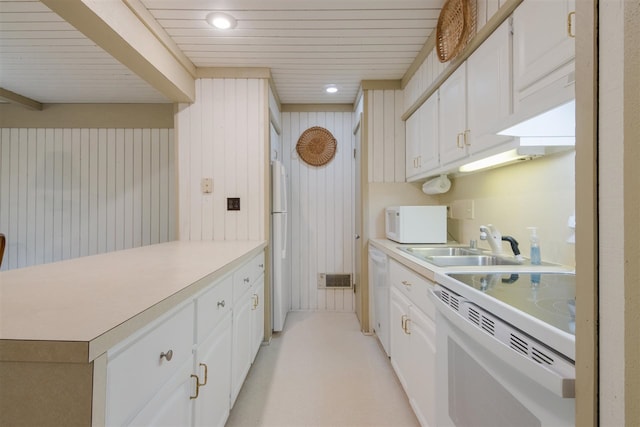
[{"x": 456, "y": 256}]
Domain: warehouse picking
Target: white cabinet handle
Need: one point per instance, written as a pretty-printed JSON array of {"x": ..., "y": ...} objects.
[
  {"x": 168, "y": 355},
  {"x": 205, "y": 375},
  {"x": 466, "y": 137},
  {"x": 459, "y": 144},
  {"x": 197, "y": 386},
  {"x": 570, "y": 31}
]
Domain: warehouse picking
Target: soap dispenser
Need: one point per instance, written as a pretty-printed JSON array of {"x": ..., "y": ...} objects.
[{"x": 535, "y": 246}]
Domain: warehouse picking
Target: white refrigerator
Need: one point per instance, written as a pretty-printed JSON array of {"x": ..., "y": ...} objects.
[{"x": 280, "y": 275}]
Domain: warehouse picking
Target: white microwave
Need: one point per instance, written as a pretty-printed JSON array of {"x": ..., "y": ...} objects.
[{"x": 416, "y": 224}]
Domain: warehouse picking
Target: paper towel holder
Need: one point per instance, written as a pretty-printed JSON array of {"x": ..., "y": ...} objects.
[{"x": 438, "y": 185}]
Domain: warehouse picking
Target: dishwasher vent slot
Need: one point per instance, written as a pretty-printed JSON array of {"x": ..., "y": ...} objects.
[
  {"x": 519, "y": 345},
  {"x": 444, "y": 296},
  {"x": 455, "y": 303},
  {"x": 474, "y": 317},
  {"x": 540, "y": 357},
  {"x": 450, "y": 299},
  {"x": 488, "y": 326}
]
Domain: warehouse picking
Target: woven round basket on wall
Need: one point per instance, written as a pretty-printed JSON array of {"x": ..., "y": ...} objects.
[
  {"x": 316, "y": 146},
  {"x": 456, "y": 27}
]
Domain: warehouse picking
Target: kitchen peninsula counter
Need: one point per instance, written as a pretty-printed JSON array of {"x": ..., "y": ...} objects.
[
  {"x": 75, "y": 310},
  {"x": 59, "y": 321}
]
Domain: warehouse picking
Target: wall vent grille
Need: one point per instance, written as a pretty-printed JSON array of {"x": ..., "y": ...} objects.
[{"x": 334, "y": 281}]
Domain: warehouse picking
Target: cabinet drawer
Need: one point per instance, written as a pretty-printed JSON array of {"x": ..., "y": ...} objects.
[
  {"x": 246, "y": 275},
  {"x": 212, "y": 305},
  {"x": 258, "y": 265},
  {"x": 414, "y": 286},
  {"x": 135, "y": 368}
]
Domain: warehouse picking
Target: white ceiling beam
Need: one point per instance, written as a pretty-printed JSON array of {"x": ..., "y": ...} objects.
[{"x": 117, "y": 29}]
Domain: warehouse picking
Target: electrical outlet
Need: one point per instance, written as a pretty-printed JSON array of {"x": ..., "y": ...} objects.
[
  {"x": 233, "y": 203},
  {"x": 462, "y": 209},
  {"x": 206, "y": 185}
]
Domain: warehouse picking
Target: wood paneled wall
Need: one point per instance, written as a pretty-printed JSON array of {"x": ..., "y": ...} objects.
[
  {"x": 66, "y": 193},
  {"x": 321, "y": 212},
  {"x": 223, "y": 136},
  {"x": 386, "y": 133}
]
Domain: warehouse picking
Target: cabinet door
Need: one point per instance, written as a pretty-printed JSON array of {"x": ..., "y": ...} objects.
[
  {"x": 172, "y": 404},
  {"x": 257, "y": 314},
  {"x": 213, "y": 359},
  {"x": 400, "y": 340},
  {"x": 452, "y": 116},
  {"x": 142, "y": 364},
  {"x": 422, "y": 384},
  {"x": 241, "y": 353},
  {"x": 489, "y": 96},
  {"x": 541, "y": 40},
  {"x": 412, "y": 129},
  {"x": 428, "y": 138}
]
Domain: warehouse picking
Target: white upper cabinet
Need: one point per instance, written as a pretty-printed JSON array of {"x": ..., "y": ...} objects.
[
  {"x": 489, "y": 90},
  {"x": 453, "y": 117},
  {"x": 544, "y": 49},
  {"x": 422, "y": 139},
  {"x": 476, "y": 99},
  {"x": 412, "y": 138}
]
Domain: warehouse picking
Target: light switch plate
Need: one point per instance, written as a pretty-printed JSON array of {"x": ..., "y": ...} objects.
[{"x": 206, "y": 185}]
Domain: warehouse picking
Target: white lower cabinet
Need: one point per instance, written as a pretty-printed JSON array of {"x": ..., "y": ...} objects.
[
  {"x": 172, "y": 404},
  {"x": 187, "y": 367},
  {"x": 413, "y": 338},
  {"x": 248, "y": 321},
  {"x": 257, "y": 317},
  {"x": 242, "y": 339},
  {"x": 213, "y": 359}
]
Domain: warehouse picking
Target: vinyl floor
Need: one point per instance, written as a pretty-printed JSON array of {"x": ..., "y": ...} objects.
[{"x": 322, "y": 371}]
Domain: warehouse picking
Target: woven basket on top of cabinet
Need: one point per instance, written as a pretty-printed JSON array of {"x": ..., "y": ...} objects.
[{"x": 456, "y": 27}]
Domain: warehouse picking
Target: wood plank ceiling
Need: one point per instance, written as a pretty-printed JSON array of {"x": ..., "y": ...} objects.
[
  {"x": 307, "y": 44},
  {"x": 44, "y": 58}
]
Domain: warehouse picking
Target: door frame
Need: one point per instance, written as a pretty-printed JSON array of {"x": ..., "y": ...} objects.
[{"x": 360, "y": 260}]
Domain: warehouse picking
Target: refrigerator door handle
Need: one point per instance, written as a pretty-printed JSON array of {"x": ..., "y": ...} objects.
[
  {"x": 283, "y": 188},
  {"x": 284, "y": 243}
]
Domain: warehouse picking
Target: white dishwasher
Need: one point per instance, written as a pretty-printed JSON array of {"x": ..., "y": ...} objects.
[{"x": 379, "y": 280}]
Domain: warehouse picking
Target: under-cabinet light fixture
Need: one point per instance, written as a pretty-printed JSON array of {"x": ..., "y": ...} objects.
[
  {"x": 221, "y": 21},
  {"x": 501, "y": 159}
]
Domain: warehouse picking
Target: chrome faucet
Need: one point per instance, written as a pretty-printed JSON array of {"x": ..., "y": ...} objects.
[{"x": 495, "y": 238}]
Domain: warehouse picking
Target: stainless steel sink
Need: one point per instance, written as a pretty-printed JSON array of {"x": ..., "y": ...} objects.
[
  {"x": 424, "y": 252},
  {"x": 456, "y": 256},
  {"x": 469, "y": 260}
]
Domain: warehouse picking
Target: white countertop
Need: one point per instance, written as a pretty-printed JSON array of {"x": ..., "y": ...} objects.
[{"x": 100, "y": 299}]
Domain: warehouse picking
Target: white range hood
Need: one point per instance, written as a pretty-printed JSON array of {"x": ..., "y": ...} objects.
[
  {"x": 556, "y": 127},
  {"x": 546, "y": 133}
]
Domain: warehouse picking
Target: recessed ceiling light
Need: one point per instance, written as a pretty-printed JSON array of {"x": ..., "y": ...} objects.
[
  {"x": 331, "y": 88},
  {"x": 221, "y": 21}
]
